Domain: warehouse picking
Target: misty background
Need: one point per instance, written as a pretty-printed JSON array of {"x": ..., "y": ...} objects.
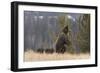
[{"x": 41, "y": 29}]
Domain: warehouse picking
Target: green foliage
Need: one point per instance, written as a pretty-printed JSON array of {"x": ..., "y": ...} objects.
[
  {"x": 84, "y": 33},
  {"x": 61, "y": 20},
  {"x": 70, "y": 49}
]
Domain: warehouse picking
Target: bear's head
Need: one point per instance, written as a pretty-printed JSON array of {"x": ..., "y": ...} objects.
[{"x": 65, "y": 29}]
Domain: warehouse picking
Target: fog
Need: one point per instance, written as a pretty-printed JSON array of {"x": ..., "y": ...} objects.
[{"x": 39, "y": 28}]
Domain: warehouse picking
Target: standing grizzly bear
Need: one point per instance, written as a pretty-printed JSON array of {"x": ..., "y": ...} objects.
[{"x": 62, "y": 41}]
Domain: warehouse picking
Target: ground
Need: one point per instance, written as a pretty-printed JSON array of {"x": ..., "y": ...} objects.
[{"x": 30, "y": 56}]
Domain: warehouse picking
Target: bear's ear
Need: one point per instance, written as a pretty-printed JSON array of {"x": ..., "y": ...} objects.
[{"x": 65, "y": 29}]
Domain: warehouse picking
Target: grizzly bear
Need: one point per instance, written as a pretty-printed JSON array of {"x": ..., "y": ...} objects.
[
  {"x": 62, "y": 41},
  {"x": 40, "y": 50},
  {"x": 49, "y": 51}
]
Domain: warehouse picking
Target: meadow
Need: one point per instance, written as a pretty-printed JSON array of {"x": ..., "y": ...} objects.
[{"x": 30, "y": 56}]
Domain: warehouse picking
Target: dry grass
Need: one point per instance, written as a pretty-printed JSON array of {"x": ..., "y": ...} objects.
[{"x": 33, "y": 56}]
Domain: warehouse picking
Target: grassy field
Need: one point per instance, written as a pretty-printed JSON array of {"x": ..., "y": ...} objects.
[{"x": 30, "y": 56}]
